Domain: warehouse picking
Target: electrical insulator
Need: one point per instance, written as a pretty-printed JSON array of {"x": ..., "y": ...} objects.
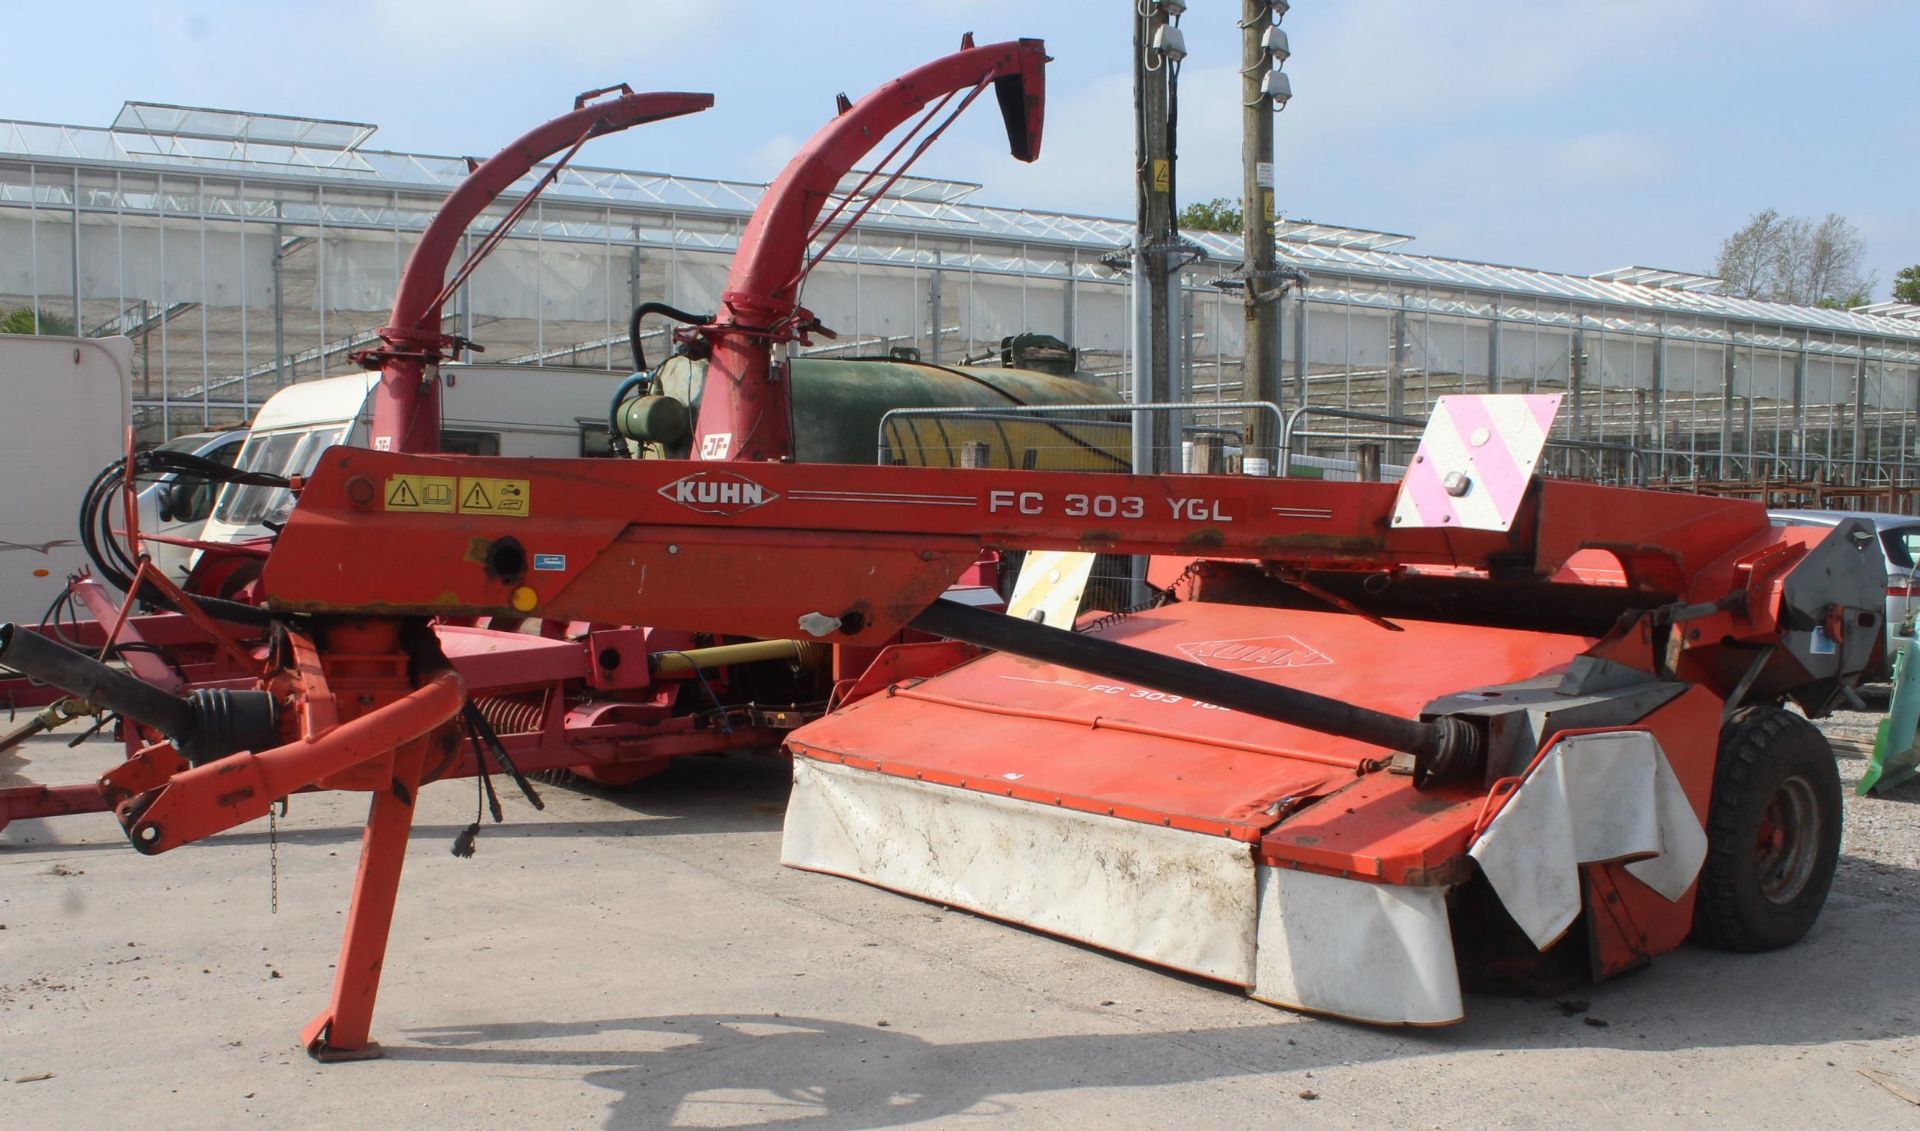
[
  {"x": 1275, "y": 41},
  {"x": 1279, "y": 88},
  {"x": 1169, "y": 42}
]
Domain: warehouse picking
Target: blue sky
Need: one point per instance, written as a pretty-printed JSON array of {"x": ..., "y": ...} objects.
[{"x": 1566, "y": 136}]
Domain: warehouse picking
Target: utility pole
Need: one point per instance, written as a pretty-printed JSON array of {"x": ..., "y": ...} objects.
[
  {"x": 1264, "y": 89},
  {"x": 1158, "y": 49},
  {"x": 1260, "y": 363}
]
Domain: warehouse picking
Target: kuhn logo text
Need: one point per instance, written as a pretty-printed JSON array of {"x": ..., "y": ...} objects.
[{"x": 717, "y": 492}]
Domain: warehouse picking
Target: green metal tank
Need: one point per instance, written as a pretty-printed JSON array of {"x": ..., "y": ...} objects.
[{"x": 838, "y": 405}]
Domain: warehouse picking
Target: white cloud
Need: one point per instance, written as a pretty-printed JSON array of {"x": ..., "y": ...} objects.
[
  {"x": 589, "y": 31},
  {"x": 769, "y": 157},
  {"x": 1520, "y": 168},
  {"x": 1386, "y": 63},
  {"x": 1086, "y": 152}
]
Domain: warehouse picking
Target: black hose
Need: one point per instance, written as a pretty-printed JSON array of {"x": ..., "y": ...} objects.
[
  {"x": 96, "y": 533},
  {"x": 190, "y": 466},
  {"x": 34, "y": 655},
  {"x": 646, "y": 308},
  {"x": 615, "y": 440},
  {"x": 1447, "y": 745},
  {"x": 208, "y": 724},
  {"x": 111, "y": 559}
]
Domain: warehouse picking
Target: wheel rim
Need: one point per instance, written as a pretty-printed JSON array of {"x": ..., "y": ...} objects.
[{"x": 1788, "y": 840}]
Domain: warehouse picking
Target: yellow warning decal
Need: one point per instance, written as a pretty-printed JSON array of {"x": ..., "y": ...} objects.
[
  {"x": 510, "y": 498},
  {"x": 1162, "y": 175},
  {"x": 430, "y": 493}
]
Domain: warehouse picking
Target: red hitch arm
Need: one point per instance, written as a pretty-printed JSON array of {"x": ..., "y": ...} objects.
[
  {"x": 214, "y": 797},
  {"x": 741, "y": 403},
  {"x": 406, "y": 412}
]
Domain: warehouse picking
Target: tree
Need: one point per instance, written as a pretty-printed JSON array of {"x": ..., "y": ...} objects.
[
  {"x": 1793, "y": 259},
  {"x": 1216, "y": 215},
  {"x": 1906, "y": 285},
  {"x": 21, "y": 321},
  {"x": 1835, "y": 255},
  {"x": 1747, "y": 256}
]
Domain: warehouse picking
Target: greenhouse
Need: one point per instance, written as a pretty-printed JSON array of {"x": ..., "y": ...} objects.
[{"x": 242, "y": 252}]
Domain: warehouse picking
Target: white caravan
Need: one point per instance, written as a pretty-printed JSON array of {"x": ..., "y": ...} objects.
[
  {"x": 489, "y": 410},
  {"x": 66, "y": 420}
]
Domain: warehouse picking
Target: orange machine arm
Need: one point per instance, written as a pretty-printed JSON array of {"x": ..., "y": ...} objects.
[
  {"x": 748, "y": 549},
  {"x": 406, "y": 413},
  {"x": 745, "y": 413}
]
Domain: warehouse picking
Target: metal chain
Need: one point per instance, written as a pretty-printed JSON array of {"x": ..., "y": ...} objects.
[{"x": 273, "y": 855}]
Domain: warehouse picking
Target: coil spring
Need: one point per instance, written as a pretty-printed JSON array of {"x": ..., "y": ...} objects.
[
  {"x": 1160, "y": 597},
  {"x": 512, "y": 714}
]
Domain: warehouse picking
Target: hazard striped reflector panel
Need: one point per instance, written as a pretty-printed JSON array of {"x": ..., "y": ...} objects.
[{"x": 1475, "y": 460}]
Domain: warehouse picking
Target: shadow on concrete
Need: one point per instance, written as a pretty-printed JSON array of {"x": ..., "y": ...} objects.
[
  {"x": 767, "y": 1071},
  {"x": 774, "y": 1073},
  {"x": 1906, "y": 793},
  {"x": 692, "y": 796},
  {"x": 1876, "y": 696}
]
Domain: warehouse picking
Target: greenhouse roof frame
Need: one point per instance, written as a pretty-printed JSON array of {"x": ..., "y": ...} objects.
[
  {"x": 165, "y": 120},
  {"x": 157, "y": 137}
]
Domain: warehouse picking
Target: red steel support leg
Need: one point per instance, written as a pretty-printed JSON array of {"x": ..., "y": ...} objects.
[
  {"x": 340, "y": 1031},
  {"x": 28, "y": 802}
]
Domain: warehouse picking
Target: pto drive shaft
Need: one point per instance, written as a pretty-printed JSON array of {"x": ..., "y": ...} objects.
[
  {"x": 1443, "y": 749},
  {"x": 208, "y": 724}
]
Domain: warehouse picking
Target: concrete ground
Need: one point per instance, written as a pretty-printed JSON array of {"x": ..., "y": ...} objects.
[{"x": 641, "y": 960}]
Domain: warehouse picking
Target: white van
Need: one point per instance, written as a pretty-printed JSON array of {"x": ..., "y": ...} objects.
[
  {"x": 487, "y": 410},
  {"x": 66, "y": 420}
]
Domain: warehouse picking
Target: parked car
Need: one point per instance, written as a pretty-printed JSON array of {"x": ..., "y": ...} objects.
[
  {"x": 176, "y": 507},
  {"x": 1899, "y": 541}
]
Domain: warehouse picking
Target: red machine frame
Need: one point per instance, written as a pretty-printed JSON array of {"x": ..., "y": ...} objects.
[
  {"x": 761, "y": 569},
  {"x": 632, "y": 727},
  {"x": 760, "y": 548}
]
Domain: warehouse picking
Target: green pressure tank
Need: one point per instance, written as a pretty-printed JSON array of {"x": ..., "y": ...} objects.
[{"x": 838, "y": 404}]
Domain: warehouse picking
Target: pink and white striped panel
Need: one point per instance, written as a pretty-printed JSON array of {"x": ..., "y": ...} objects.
[{"x": 1475, "y": 460}]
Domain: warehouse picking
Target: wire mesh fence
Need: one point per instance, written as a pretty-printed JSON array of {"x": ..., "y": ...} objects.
[
  {"x": 1205, "y": 439},
  {"x": 1200, "y": 439}
]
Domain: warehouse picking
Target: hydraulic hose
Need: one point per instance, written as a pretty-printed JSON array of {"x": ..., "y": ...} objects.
[
  {"x": 641, "y": 373},
  {"x": 646, "y": 308},
  {"x": 113, "y": 561}
]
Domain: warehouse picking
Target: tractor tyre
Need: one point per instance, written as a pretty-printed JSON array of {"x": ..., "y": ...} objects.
[{"x": 1773, "y": 833}]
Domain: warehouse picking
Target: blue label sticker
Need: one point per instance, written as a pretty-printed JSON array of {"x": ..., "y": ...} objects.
[{"x": 549, "y": 561}]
